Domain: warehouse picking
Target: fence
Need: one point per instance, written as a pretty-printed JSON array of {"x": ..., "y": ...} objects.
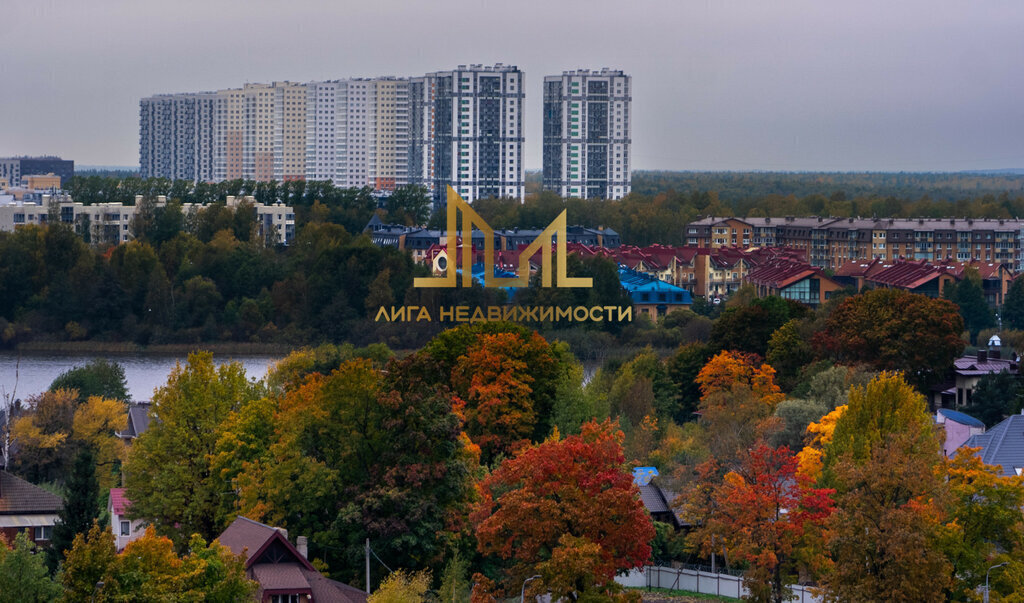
[{"x": 699, "y": 581}]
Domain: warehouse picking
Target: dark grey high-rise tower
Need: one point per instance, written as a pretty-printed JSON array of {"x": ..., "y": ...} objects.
[
  {"x": 475, "y": 114},
  {"x": 177, "y": 135},
  {"x": 587, "y": 133}
]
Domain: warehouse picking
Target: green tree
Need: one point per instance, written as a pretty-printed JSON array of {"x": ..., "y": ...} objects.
[
  {"x": 748, "y": 328},
  {"x": 1012, "y": 311},
  {"x": 683, "y": 368},
  {"x": 368, "y": 453},
  {"x": 170, "y": 476},
  {"x": 789, "y": 350},
  {"x": 995, "y": 397},
  {"x": 80, "y": 510},
  {"x": 99, "y": 377},
  {"x": 970, "y": 298},
  {"x": 885, "y": 535},
  {"x": 23, "y": 575},
  {"x": 795, "y": 414}
]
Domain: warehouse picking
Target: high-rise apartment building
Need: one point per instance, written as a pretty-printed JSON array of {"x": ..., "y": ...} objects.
[
  {"x": 477, "y": 141},
  {"x": 587, "y": 133},
  {"x": 176, "y": 136},
  {"x": 357, "y": 132}
]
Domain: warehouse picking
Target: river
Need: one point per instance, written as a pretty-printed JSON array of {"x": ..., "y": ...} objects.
[{"x": 33, "y": 373}]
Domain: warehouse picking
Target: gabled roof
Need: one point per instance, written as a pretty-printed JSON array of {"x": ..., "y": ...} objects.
[
  {"x": 118, "y": 502},
  {"x": 782, "y": 272},
  {"x": 1002, "y": 445},
  {"x": 18, "y": 497},
  {"x": 253, "y": 538},
  {"x": 285, "y": 571},
  {"x": 961, "y": 418},
  {"x": 138, "y": 420}
]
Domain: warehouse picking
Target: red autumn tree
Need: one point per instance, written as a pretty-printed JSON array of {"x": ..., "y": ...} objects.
[
  {"x": 559, "y": 500},
  {"x": 762, "y": 513},
  {"x": 892, "y": 329}
]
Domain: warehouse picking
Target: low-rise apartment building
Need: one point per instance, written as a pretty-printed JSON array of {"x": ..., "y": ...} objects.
[
  {"x": 111, "y": 223},
  {"x": 832, "y": 242}
]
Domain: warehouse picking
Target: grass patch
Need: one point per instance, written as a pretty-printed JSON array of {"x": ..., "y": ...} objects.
[{"x": 682, "y": 593}]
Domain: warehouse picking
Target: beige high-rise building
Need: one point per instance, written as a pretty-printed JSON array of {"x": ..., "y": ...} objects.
[
  {"x": 289, "y": 131},
  {"x": 230, "y": 136}
]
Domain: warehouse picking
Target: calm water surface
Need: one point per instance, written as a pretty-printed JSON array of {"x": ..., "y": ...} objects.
[{"x": 144, "y": 372}]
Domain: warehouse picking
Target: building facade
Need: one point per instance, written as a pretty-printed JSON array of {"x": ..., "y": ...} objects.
[
  {"x": 832, "y": 242},
  {"x": 14, "y": 169},
  {"x": 176, "y": 136},
  {"x": 461, "y": 128},
  {"x": 476, "y": 134},
  {"x": 587, "y": 134},
  {"x": 111, "y": 223}
]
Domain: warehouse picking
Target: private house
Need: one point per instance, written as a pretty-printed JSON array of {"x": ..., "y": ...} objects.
[
  {"x": 657, "y": 500},
  {"x": 967, "y": 371},
  {"x": 795, "y": 280},
  {"x": 125, "y": 530},
  {"x": 25, "y": 507},
  {"x": 651, "y": 297},
  {"x": 281, "y": 569},
  {"x": 958, "y": 427},
  {"x": 138, "y": 421},
  {"x": 1002, "y": 445}
]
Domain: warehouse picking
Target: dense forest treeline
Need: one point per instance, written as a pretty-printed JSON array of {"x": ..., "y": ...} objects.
[
  {"x": 740, "y": 186},
  {"x": 204, "y": 275}
]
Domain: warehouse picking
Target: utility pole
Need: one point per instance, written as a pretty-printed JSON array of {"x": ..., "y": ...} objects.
[{"x": 367, "y": 566}]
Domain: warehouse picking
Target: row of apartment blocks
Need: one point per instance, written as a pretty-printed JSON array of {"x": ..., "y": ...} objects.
[
  {"x": 461, "y": 128},
  {"x": 111, "y": 223},
  {"x": 832, "y": 242}
]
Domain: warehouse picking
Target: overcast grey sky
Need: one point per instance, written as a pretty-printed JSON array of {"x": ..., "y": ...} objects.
[{"x": 915, "y": 85}]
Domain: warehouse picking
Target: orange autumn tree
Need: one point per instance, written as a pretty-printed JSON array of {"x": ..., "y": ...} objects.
[
  {"x": 496, "y": 379},
  {"x": 762, "y": 513},
  {"x": 738, "y": 397},
  {"x": 562, "y": 500}
]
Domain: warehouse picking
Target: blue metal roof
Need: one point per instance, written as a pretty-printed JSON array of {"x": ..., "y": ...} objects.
[
  {"x": 961, "y": 418},
  {"x": 643, "y": 475},
  {"x": 644, "y": 289}
]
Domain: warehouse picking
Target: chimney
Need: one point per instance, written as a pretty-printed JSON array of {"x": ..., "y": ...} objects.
[
  {"x": 994, "y": 354},
  {"x": 302, "y": 545},
  {"x": 982, "y": 356}
]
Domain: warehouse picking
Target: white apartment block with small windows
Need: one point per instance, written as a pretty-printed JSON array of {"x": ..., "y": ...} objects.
[
  {"x": 112, "y": 222},
  {"x": 357, "y": 132},
  {"x": 587, "y": 125}
]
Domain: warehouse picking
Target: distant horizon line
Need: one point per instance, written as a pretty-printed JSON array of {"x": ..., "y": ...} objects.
[{"x": 1007, "y": 171}]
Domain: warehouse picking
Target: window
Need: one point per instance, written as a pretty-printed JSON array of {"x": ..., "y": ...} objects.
[
  {"x": 43, "y": 532},
  {"x": 125, "y": 528}
]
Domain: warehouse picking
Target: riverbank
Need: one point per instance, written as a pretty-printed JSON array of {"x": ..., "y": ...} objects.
[{"x": 101, "y": 348}]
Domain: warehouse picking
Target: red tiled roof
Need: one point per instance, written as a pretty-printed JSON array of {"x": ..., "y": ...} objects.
[
  {"x": 910, "y": 274},
  {"x": 118, "y": 502},
  {"x": 782, "y": 272}
]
